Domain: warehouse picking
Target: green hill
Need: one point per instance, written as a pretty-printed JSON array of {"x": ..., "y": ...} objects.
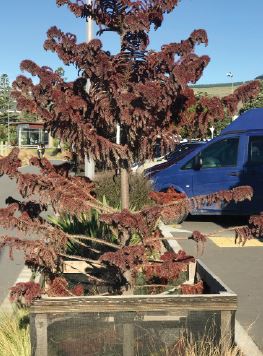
[{"x": 221, "y": 89}]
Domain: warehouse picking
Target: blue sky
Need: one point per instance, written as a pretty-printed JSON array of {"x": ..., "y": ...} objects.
[{"x": 234, "y": 30}]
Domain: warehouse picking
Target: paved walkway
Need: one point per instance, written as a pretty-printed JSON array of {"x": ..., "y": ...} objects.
[{"x": 241, "y": 269}]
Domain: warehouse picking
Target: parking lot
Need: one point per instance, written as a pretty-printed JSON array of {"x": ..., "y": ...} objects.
[{"x": 238, "y": 267}]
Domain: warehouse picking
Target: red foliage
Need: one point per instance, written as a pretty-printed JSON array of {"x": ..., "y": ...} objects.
[
  {"x": 171, "y": 267},
  {"x": 141, "y": 90},
  {"x": 174, "y": 204},
  {"x": 50, "y": 235},
  {"x": 24, "y": 293},
  {"x": 147, "y": 94},
  {"x": 153, "y": 242},
  {"x": 198, "y": 237},
  {"x": 128, "y": 222},
  {"x": 10, "y": 164},
  {"x": 58, "y": 287},
  {"x": 127, "y": 258},
  {"x": 237, "y": 194},
  {"x": 166, "y": 197},
  {"x": 197, "y": 288},
  {"x": 253, "y": 230},
  {"x": 38, "y": 254}
]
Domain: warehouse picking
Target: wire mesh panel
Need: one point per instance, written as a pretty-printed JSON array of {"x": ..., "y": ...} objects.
[
  {"x": 136, "y": 325},
  {"x": 117, "y": 334}
]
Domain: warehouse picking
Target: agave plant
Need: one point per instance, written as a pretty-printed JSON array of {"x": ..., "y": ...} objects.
[{"x": 86, "y": 224}]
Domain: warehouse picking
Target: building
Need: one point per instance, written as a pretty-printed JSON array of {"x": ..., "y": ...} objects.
[{"x": 31, "y": 134}]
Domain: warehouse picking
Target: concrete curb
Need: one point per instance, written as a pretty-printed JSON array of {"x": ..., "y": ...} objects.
[
  {"x": 245, "y": 342},
  {"x": 24, "y": 276},
  {"x": 166, "y": 231},
  {"x": 242, "y": 339}
]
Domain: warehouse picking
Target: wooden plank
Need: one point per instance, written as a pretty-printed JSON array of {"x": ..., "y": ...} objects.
[
  {"x": 73, "y": 267},
  {"x": 41, "y": 335},
  {"x": 227, "y": 329},
  {"x": 128, "y": 340},
  {"x": 212, "y": 281},
  {"x": 135, "y": 303}
]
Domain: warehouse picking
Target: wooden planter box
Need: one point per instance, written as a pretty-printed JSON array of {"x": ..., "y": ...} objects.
[{"x": 131, "y": 325}]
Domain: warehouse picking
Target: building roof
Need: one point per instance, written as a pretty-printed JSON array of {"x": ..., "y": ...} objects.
[
  {"x": 249, "y": 120},
  {"x": 30, "y": 125}
]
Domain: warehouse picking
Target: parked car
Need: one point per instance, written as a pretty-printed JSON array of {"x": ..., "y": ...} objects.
[
  {"x": 182, "y": 150},
  {"x": 233, "y": 158}
]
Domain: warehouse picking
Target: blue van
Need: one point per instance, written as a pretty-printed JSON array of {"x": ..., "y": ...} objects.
[{"x": 233, "y": 158}]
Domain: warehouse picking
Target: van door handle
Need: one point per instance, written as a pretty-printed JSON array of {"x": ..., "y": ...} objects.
[{"x": 234, "y": 174}]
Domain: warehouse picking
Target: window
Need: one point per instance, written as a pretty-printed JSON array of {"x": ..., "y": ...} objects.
[
  {"x": 219, "y": 154},
  {"x": 255, "y": 150},
  {"x": 33, "y": 136}
]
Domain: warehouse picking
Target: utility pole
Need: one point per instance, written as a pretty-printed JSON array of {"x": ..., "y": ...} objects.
[
  {"x": 89, "y": 162},
  {"x": 124, "y": 176}
]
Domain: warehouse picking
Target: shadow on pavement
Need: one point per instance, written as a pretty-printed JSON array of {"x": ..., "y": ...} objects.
[{"x": 221, "y": 220}]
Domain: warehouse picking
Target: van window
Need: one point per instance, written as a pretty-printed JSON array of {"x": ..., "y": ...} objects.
[
  {"x": 219, "y": 154},
  {"x": 255, "y": 150}
]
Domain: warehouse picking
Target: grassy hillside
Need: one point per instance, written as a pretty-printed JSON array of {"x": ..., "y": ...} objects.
[{"x": 216, "y": 89}]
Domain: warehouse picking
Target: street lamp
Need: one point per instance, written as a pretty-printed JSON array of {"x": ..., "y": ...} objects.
[{"x": 230, "y": 75}]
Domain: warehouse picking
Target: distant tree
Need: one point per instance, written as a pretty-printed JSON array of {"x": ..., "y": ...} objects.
[
  {"x": 256, "y": 102},
  {"x": 60, "y": 71}
]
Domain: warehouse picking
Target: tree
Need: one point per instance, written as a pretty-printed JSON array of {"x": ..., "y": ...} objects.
[
  {"x": 147, "y": 94},
  {"x": 256, "y": 102},
  {"x": 7, "y": 103}
]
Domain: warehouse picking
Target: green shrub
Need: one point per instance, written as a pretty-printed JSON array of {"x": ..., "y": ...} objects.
[
  {"x": 109, "y": 186},
  {"x": 86, "y": 224}
]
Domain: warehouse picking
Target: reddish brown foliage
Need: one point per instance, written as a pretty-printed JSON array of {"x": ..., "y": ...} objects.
[
  {"x": 10, "y": 163},
  {"x": 175, "y": 204},
  {"x": 171, "y": 267},
  {"x": 166, "y": 197},
  {"x": 153, "y": 242},
  {"x": 24, "y": 293},
  {"x": 59, "y": 287},
  {"x": 237, "y": 194},
  {"x": 197, "y": 288},
  {"x": 27, "y": 225},
  {"x": 129, "y": 222},
  {"x": 253, "y": 230},
  {"x": 39, "y": 255},
  {"x": 200, "y": 240},
  {"x": 127, "y": 258},
  {"x": 198, "y": 236},
  {"x": 52, "y": 187},
  {"x": 141, "y": 90},
  {"x": 147, "y": 94}
]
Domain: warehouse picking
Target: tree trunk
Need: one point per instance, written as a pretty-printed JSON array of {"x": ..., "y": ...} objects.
[{"x": 124, "y": 188}]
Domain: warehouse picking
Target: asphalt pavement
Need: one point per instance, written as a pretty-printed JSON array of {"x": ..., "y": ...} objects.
[
  {"x": 11, "y": 269},
  {"x": 240, "y": 268}
]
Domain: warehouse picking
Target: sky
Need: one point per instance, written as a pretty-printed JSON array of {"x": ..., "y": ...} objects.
[{"x": 234, "y": 29}]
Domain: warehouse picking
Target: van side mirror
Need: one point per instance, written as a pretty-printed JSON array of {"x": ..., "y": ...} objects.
[{"x": 198, "y": 162}]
